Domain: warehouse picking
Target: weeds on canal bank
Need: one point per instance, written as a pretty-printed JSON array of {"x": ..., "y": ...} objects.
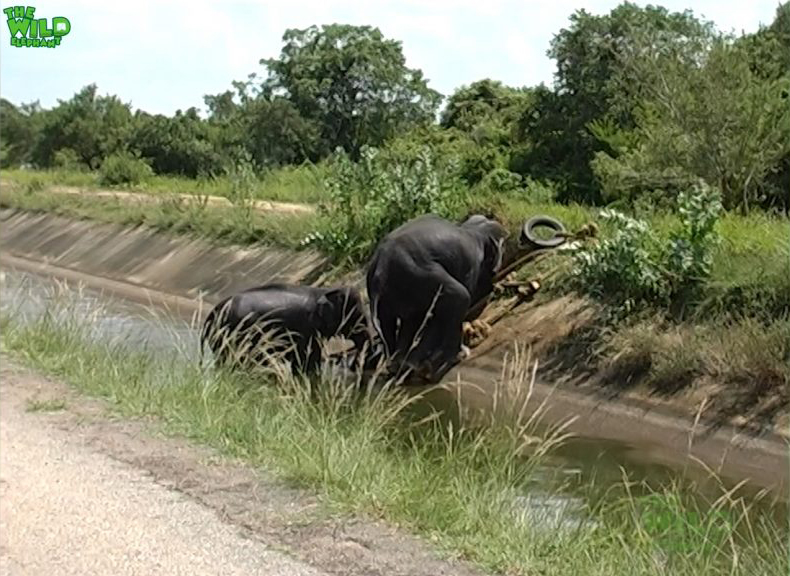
[
  {"x": 238, "y": 224},
  {"x": 372, "y": 453}
]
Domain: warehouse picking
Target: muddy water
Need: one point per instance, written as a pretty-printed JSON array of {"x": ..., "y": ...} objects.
[{"x": 561, "y": 487}]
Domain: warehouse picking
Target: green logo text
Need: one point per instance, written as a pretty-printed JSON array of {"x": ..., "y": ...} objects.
[{"x": 28, "y": 31}]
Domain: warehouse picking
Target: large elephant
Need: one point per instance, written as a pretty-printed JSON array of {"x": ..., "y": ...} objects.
[
  {"x": 292, "y": 318},
  {"x": 430, "y": 264}
]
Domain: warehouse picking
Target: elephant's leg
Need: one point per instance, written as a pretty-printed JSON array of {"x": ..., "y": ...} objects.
[
  {"x": 312, "y": 356},
  {"x": 397, "y": 329},
  {"x": 443, "y": 340},
  {"x": 385, "y": 322}
]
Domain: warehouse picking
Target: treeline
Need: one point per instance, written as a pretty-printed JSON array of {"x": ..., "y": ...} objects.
[{"x": 645, "y": 103}]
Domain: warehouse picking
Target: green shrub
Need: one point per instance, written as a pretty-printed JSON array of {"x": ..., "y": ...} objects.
[
  {"x": 624, "y": 269},
  {"x": 690, "y": 255},
  {"x": 478, "y": 161},
  {"x": 242, "y": 179},
  {"x": 367, "y": 199},
  {"x": 502, "y": 181},
  {"x": 539, "y": 191},
  {"x": 124, "y": 168},
  {"x": 67, "y": 159},
  {"x": 636, "y": 268}
]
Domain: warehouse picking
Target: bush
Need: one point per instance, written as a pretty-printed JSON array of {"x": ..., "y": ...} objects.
[
  {"x": 67, "y": 159},
  {"x": 502, "y": 181},
  {"x": 635, "y": 268},
  {"x": 124, "y": 168},
  {"x": 624, "y": 269},
  {"x": 367, "y": 199},
  {"x": 690, "y": 255},
  {"x": 540, "y": 191}
]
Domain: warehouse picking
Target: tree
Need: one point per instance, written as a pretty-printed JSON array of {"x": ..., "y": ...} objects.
[
  {"x": 352, "y": 83},
  {"x": 769, "y": 47},
  {"x": 20, "y": 129},
  {"x": 769, "y": 50},
  {"x": 182, "y": 144},
  {"x": 486, "y": 112},
  {"x": 712, "y": 117},
  {"x": 93, "y": 126},
  {"x": 591, "y": 86},
  {"x": 485, "y": 103}
]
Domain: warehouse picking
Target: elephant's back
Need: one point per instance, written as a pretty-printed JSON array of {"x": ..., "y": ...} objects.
[{"x": 276, "y": 300}]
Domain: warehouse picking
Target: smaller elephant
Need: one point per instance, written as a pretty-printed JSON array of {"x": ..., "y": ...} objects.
[
  {"x": 294, "y": 315},
  {"x": 424, "y": 280}
]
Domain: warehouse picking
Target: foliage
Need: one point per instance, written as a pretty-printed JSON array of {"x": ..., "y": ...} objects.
[
  {"x": 20, "y": 126},
  {"x": 277, "y": 134},
  {"x": 367, "y": 199},
  {"x": 67, "y": 159},
  {"x": 592, "y": 86},
  {"x": 352, "y": 82},
  {"x": 769, "y": 47},
  {"x": 124, "y": 168},
  {"x": 623, "y": 269},
  {"x": 502, "y": 181},
  {"x": 715, "y": 121},
  {"x": 180, "y": 145},
  {"x": 690, "y": 254},
  {"x": 635, "y": 268},
  {"x": 94, "y": 126},
  {"x": 485, "y": 110},
  {"x": 539, "y": 192}
]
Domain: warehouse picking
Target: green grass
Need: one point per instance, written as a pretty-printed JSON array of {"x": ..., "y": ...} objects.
[
  {"x": 370, "y": 454},
  {"x": 42, "y": 179},
  {"x": 301, "y": 184},
  {"x": 749, "y": 360},
  {"x": 224, "y": 225}
]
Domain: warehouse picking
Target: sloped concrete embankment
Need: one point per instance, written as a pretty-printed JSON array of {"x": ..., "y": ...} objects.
[
  {"x": 144, "y": 265},
  {"x": 188, "y": 275}
]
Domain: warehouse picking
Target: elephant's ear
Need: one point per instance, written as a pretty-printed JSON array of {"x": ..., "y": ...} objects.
[
  {"x": 329, "y": 310},
  {"x": 323, "y": 311}
]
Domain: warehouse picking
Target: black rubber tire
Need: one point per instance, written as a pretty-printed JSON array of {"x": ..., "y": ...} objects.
[{"x": 528, "y": 238}]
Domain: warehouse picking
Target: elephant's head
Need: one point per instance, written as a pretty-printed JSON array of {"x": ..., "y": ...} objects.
[
  {"x": 492, "y": 236},
  {"x": 341, "y": 312}
]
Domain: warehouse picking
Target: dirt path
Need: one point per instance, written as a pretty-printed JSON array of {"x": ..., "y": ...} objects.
[{"x": 82, "y": 493}]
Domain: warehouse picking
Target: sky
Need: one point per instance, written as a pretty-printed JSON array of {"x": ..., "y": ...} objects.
[{"x": 162, "y": 55}]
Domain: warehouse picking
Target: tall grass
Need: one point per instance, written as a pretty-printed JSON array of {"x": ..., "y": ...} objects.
[
  {"x": 747, "y": 358},
  {"x": 365, "y": 450}
]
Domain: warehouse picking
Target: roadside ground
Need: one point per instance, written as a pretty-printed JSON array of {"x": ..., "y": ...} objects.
[{"x": 85, "y": 493}]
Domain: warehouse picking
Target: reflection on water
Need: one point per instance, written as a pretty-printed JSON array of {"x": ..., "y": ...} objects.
[{"x": 573, "y": 468}]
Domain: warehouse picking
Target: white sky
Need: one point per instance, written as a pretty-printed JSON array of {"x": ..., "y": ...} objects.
[{"x": 161, "y": 55}]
